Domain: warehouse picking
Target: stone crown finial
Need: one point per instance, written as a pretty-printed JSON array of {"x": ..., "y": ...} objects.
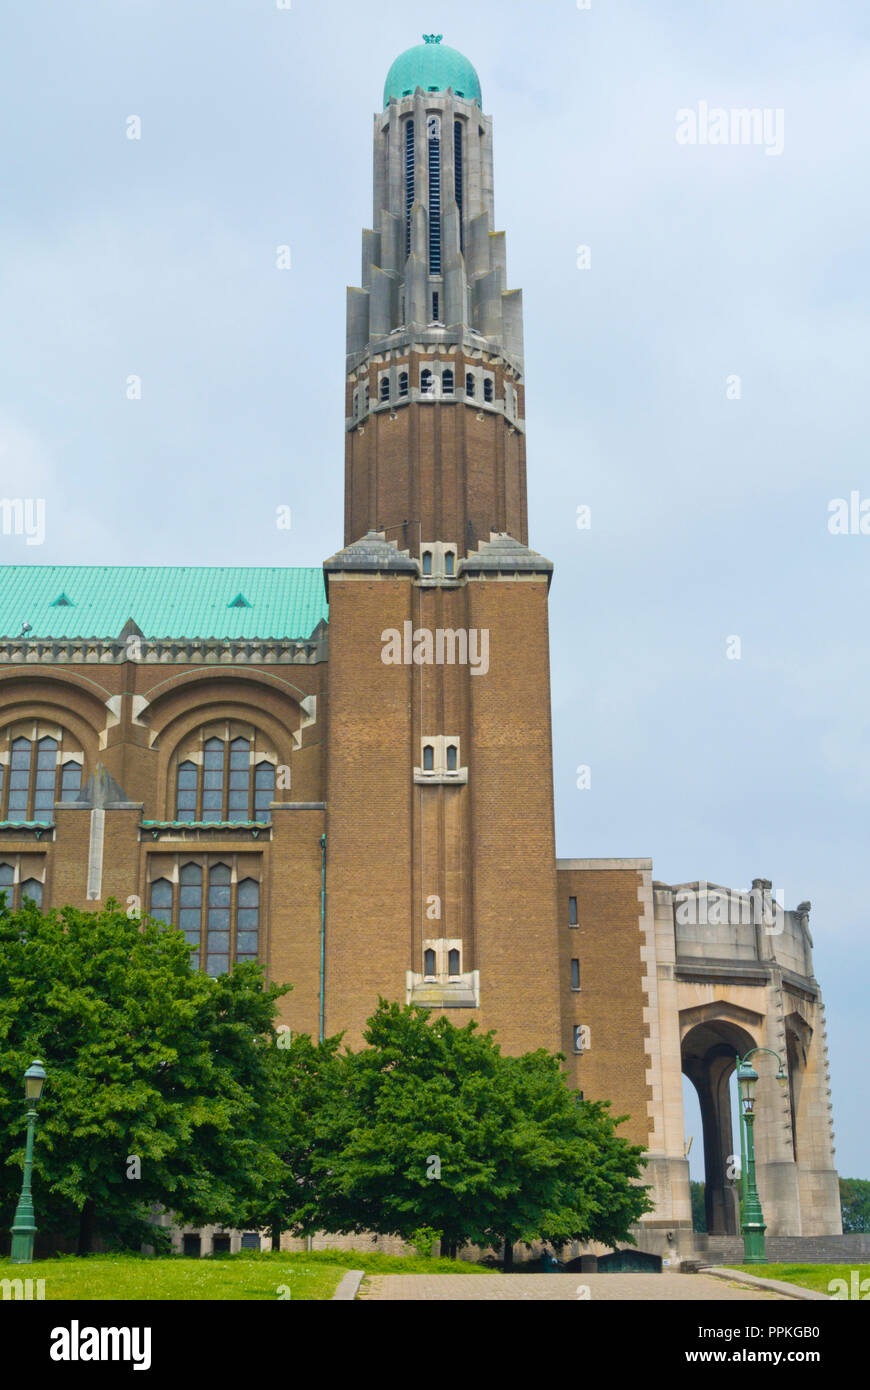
[{"x": 432, "y": 38}]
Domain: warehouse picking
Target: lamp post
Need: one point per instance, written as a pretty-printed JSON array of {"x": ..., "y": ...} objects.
[
  {"x": 752, "y": 1217},
  {"x": 24, "y": 1225}
]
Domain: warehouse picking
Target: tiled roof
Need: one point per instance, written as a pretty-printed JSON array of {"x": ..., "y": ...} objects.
[{"x": 74, "y": 601}]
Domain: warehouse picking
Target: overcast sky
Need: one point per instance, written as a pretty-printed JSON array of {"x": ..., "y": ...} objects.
[{"x": 157, "y": 258}]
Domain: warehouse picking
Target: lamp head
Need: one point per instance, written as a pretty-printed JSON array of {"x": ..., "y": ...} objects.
[
  {"x": 747, "y": 1077},
  {"x": 34, "y": 1080}
]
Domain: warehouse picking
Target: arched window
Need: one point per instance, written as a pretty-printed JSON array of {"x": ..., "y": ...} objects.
[
  {"x": 428, "y": 962},
  {"x": 227, "y": 782},
  {"x": 190, "y": 905},
  {"x": 428, "y": 758},
  {"x": 426, "y": 382},
  {"x": 403, "y": 383},
  {"x": 264, "y": 791},
  {"x": 488, "y": 391},
  {"x": 40, "y": 772},
  {"x": 469, "y": 384},
  {"x": 217, "y": 948},
  {"x": 427, "y": 562},
  {"x": 453, "y": 962},
  {"x": 449, "y": 563},
  {"x": 452, "y": 757},
  {"x": 447, "y": 382},
  {"x": 385, "y": 388},
  {"x": 160, "y": 902},
  {"x": 248, "y": 920},
  {"x": 17, "y": 896}
]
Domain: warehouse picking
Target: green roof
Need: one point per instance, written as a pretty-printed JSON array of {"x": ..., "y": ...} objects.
[
  {"x": 434, "y": 67},
  {"x": 164, "y": 601}
]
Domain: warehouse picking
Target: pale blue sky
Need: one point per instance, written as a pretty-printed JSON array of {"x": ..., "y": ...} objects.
[{"x": 157, "y": 257}]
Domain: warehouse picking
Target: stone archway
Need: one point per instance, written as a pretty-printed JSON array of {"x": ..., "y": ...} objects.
[{"x": 709, "y": 1050}]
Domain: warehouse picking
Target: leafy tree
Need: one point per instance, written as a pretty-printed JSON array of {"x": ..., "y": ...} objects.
[
  {"x": 699, "y": 1210},
  {"x": 855, "y": 1203},
  {"x": 147, "y": 1059},
  {"x": 432, "y": 1127}
]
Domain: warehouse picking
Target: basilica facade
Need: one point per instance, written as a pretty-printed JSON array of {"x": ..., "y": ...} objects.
[{"x": 347, "y": 773}]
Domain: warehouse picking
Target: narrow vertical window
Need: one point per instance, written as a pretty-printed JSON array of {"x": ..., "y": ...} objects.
[
  {"x": 453, "y": 963},
  {"x": 427, "y": 562},
  {"x": 190, "y": 907},
  {"x": 575, "y": 974},
  {"x": 488, "y": 393},
  {"x": 429, "y": 962},
  {"x": 452, "y": 757},
  {"x": 409, "y": 182},
  {"x": 264, "y": 792},
  {"x": 434, "y": 132},
  {"x": 217, "y": 960},
  {"x": 46, "y": 771},
  {"x": 70, "y": 781},
  {"x": 248, "y": 920},
  {"x": 32, "y": 888},
  {"x": 428, "y": 758},
  {"x": 459, "y": 178},
  {"x": 240, "y": 779},
  {"x": 426, "y": 382},
  {"x": 436, "y": 307},
  {"x": 385, "y": 388},
  {"x": 160, "y": 903},
  {"x": 447, "y": 382},
  {"x": 403, "y": 383},
  {"x": 213, "y": 779},
  {"x": 469, "y": 384},
  {"x": 7, "y": 881},
  {"x": 185, "y": 801},
  {"x": 19, "y": 777},
  {"x": 449, "y": 564},
  {"x": 572, "y": 912}
]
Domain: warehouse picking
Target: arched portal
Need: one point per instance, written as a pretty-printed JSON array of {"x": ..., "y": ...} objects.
[{"x": 709, "y": 1052}]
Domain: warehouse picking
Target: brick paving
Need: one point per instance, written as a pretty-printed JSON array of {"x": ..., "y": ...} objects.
[{"x": 555, "y": 1287}]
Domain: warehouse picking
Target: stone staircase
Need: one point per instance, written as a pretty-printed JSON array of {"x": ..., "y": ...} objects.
[{"x": 728, "y": 1250}]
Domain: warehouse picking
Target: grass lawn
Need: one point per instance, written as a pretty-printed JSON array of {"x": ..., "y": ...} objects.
[
  {"x": 311, "y": 1275},
  {"x": 816, "y": 1277}
]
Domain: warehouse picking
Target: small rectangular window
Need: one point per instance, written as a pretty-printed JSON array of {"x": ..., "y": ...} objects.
[
  {"x": 575, "y": 974},
  {"x": 572, "y": 912}
]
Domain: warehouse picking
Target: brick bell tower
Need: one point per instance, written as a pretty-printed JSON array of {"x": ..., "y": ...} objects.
[{"x": 441, "y": 872}]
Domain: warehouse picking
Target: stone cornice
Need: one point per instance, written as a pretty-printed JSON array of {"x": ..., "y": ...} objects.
[{"x": 98, "y": 651}]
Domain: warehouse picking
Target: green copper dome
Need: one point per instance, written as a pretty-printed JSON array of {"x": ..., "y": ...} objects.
[{"x": 434, "y": 67}]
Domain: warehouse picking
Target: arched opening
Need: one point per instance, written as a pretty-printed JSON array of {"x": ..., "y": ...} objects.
[{"x": 709, "y": 1053}]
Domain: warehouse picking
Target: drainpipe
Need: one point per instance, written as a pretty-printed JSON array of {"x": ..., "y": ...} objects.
[{"x": 322, "y": 932}]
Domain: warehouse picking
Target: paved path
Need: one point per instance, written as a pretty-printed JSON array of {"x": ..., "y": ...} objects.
[{"x": 627, "y": 1287}]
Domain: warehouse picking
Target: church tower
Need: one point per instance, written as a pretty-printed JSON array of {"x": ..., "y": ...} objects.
[
  {"x": 435, "y": 442},
  {"x": 441, "y": 874}
]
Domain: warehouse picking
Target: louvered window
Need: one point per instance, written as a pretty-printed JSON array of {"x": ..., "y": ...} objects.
[
  {"x": 409, "y": 182},
  {"x": 459, "y": 178},
  {"x": 434, "y": 197}
]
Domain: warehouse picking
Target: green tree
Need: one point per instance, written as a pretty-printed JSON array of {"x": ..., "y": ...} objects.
[
  {"x": 432, "y": 1127},
  {"x": 699, "y": 1210},
  {"x": 855, "y": 1204},
  {"x": 154, "y": 1073}
]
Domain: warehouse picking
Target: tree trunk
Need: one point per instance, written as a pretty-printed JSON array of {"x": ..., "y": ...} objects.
[
  {"x": 276, "y": 1237},
  {"x": 508, "y": 1253},
  {"x": 86, "y": 1228}
]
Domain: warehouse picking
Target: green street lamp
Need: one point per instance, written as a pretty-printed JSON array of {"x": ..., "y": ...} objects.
[
  {"x": 24, "y": 1225},
  {"x": 752, "y": 1217}
]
